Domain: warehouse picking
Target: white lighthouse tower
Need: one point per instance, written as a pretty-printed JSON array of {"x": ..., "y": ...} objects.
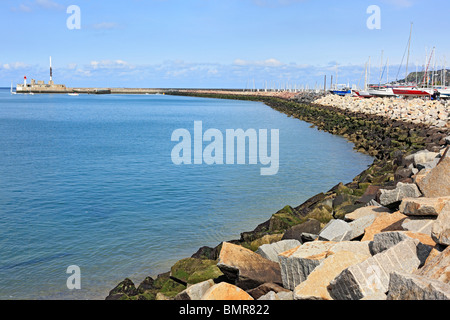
[
  {"x": 51, "y": 72},
  {"x": 25, "y": 81}
]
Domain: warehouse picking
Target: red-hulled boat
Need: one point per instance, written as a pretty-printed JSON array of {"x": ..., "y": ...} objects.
[{"x": 412, "y": 91}]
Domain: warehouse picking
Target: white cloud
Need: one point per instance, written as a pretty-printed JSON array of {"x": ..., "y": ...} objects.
[
  {"x": 400, "y": 3},
  {"x": 22, "y": 8},
  {"x": 15, "y": 66},
  {"x": 110, "y": 64},
  {"x": 264, "y": 63},
  {"x": 42, "y": 4},
  {"x": 274, "y": 3},
  {"x": 105, "y": 26},
  {"x": 49, "y": 4}
]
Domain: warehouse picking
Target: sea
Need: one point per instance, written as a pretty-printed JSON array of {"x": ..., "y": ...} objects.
[{"x": 89, "y": 181}]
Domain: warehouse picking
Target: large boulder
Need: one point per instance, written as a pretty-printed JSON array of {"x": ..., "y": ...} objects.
[
  {"x": 422, "y": 157},
  {"x": 311, "y": 226},
  {"x": 196, "y": 291},
  {"x": 406, "y": 286},
  {"x": 385, "y": 240},
  {"x": 225, "y": 291},
  {"x": 296, "y": 264},
  {"x": 389, "y": 198},
  {"x": 438, "y": 267},
  {"x": 384, "y": 222},
  {"x": 423, "y": 206},
  {"x": 192, "y": 270},
  {"x": 437, "y": 182},
  {"x": 419, "y": 224},
  {"x": 246, "y": 268},
  {"x": 271, "y": 251},
  {"x": 440, "y": 230},
  {"x": 283, "y": 295},
  {"x": 266, "y": 288},
  {"x": 366, "y": 211},
  {"x": 315, "y": 286},
  {"x": 336, "y": 230},
  {"x": 123, "y": 290},
  {"x": 369, "y": 195},
  {"x": 372, "y": 275},
  {"x": 358, "y": 226}
]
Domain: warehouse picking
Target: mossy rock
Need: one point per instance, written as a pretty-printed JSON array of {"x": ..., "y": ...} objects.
[
  {"x": 342, "y": 189},
  {"x": 267, "y": 239},
  {"x": 321, "y": 213},
  {"x": 283, "y": 220},
  {"x": 192, "y": 270},
  {"x": 124, "y": 288},
  {"x": 147, "y": 295},
  {"x": 380, "y": 180},
  {"x": 361, "y": 190},
  {"x": 171, "y": 288},
  {"x": 162, "y": 285},
  {"x": 343, "y": 199}
]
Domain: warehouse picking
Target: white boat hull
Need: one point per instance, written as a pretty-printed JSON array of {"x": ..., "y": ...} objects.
[
  {"x": 383, "y": 92},
  {"x": 444, "y": 92}
]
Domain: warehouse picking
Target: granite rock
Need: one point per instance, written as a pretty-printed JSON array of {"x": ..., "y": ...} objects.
[
  {"x": 406, "y": 286},
  {"x": 226, "y": 291},
  {"x": 372, "y": 275},
  {"x": 271, "y": 251},
  {"x": 246, "y": 268}
]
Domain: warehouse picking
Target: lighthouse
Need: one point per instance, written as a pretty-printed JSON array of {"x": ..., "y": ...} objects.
[
  {"x": 51, "y": 72},
  {"x": 25, "y": 81}
]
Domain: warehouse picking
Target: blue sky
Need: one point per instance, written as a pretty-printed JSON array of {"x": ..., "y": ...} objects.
[{"x": 215, "y": 43}]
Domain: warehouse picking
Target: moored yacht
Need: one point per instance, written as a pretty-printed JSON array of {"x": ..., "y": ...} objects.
[{"x": 413, "y": 91}]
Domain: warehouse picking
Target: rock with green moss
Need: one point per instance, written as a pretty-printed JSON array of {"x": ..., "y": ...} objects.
[
  {"x": 192, "y": 270},
  {"x": 267, "y": 239},
  {"x": 123, "y": 291},
  {"x": 283, "y": 219},
  {"x": 166, "y": 286}
]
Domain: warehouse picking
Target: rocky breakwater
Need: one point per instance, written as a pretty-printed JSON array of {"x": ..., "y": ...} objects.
[
  {"x": 430, "y": 112},
  {"x": 384, "y": 235},
  {"x": 357, "y": 242}
]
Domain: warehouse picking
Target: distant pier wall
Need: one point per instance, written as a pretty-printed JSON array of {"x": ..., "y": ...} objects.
[{"x": 65, "y": 90}]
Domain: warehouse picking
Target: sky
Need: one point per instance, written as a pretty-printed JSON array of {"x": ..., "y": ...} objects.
[{"x": 218, "y": 43}]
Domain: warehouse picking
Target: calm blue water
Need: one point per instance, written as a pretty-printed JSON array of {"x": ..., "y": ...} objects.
[{"x": 89, "y": 181}]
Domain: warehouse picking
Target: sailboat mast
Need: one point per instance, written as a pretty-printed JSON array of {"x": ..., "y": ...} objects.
[
  {"x": 445, "y": 71},
  {"x": 381, "y": 68},
  {"x": 417, "y": 73},
  {"x": 387, "y": 71},
  {"x": 365, "y": 78},
  {"x": 409, "y": 47},
  {"x": 336, "y": 76},
  {"x": 425, "y": 77}
]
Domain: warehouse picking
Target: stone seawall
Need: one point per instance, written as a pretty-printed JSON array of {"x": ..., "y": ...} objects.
[{"x": 308, "y": 251}]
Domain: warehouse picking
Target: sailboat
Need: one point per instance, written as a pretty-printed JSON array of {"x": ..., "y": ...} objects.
[
  {"x": 12, "y": 92},
  {"x": 364, "y": 93},
  {"x": 340, "y": 89},
  {"x": 382, "y": 90},
  {"x": 443, "y": 89},
  {"x": 415, "y": 91},
  {"x": 444, "y": 92}
]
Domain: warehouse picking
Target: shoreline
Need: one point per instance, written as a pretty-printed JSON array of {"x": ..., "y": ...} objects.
[{"x": 388, "y": 141}]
